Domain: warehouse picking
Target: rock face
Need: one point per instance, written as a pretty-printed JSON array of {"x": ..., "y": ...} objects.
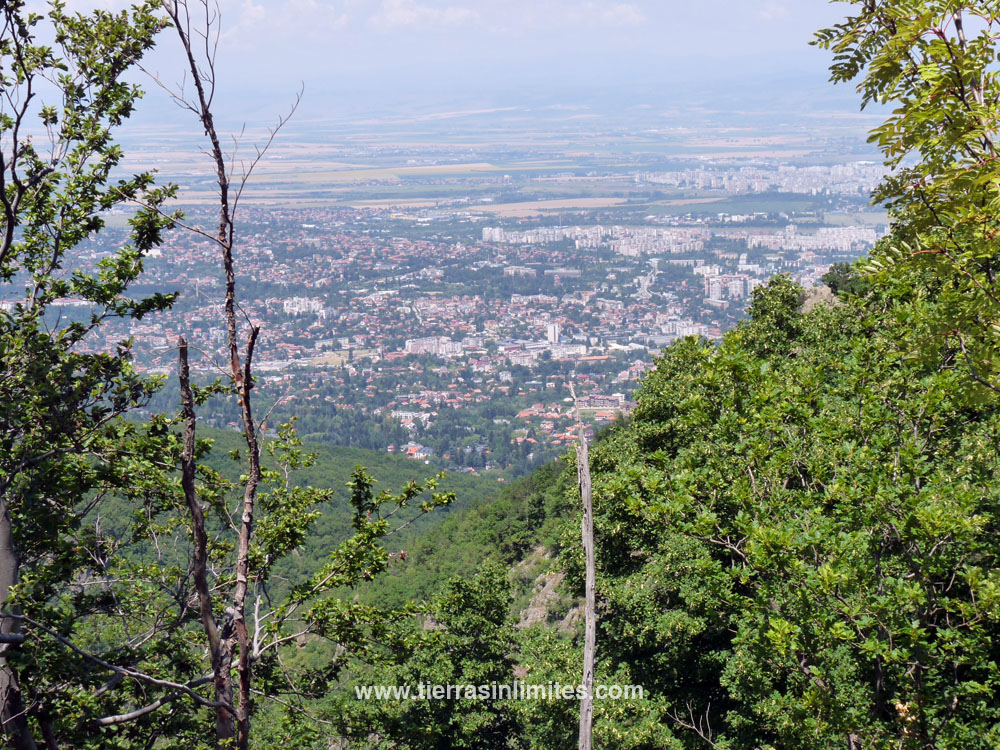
[
  {"x": 572, "y": 622},
  {"x": 544, "y": 595},
  {"x": 819, "y": 295},
  {"x": 546, "y": 601}
]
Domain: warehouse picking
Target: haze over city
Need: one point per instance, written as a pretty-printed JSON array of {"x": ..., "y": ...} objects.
[{"x": 381, "y": 56}]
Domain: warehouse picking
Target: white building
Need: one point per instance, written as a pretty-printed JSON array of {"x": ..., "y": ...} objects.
[
  {"x": 439, "y": 346},
  {"x": 302, "y": 306}
]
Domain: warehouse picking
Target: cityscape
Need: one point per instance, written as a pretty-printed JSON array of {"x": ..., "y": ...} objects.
[{"x": 452, "y": 330}]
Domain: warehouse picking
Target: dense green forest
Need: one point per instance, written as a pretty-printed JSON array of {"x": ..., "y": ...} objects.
[{"x": 796, "y": 531}]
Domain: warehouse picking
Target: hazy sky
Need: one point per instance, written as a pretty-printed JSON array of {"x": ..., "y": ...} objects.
[
  {"x": 381, "y": 39},
  {"x": 451, "y": 47}
]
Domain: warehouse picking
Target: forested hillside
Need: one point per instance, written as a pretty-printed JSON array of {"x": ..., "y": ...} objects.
[{"x": 333, "y": 469}]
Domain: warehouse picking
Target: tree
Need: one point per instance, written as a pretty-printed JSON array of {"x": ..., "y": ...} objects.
[
  {"x": 232, "y": 718},
  {"x": 274, "y": 515},
  {"x": 843, "y": 279},
  {"x": 60, "y": 404},
  {"x": 463, "y": 637},
  {"x": 933, "y": 63},
  {"x": 586, "y": 733}
]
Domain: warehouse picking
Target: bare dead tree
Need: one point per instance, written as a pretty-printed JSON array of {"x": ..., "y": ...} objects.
[
  {"x": 586, "y": 737},
  {"x": 199, "y": 41},
  {"x": 586, "y": 741}
]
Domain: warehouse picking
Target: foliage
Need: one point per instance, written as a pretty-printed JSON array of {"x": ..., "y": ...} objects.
[
  {"x": 934, "y": 63},
  {"x": 798, "y": 547},
  {"x": 844, "y": 279},
  {"x": 463, "y": 638},
  {"x": 501, "y": 528},
  {"x": 332, "y": 469},
  {"x": 140, "y": 614},
  {"x": 59, "y": 436}
]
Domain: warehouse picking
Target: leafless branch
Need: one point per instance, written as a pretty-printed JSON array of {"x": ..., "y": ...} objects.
[
  {"x": 107, "y": 721},
  {"x": 701, "y": 725}
]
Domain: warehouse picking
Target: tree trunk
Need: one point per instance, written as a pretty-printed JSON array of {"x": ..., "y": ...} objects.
[
  {"x": 219, "y": 648},
  {"x": 12, "y": 715},
  {"x": 586, "y": 739},
  {"x": 225, "y": 721}
]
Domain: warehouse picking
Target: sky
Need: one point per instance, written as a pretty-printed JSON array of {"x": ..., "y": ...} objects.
[{"x": 379, "y": 50}]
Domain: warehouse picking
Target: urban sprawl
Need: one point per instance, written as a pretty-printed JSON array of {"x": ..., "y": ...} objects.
[{"x": 454, "y": 335}]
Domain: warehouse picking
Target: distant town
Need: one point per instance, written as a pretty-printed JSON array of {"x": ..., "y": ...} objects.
[{"x": 450, "y": 330}]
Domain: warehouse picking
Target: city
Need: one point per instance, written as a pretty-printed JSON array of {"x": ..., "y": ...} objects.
[{"x": 433, "y": 330}]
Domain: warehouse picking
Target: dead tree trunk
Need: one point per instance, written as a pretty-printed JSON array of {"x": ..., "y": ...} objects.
[
  {"x": 219, "y": 649},
  {"x": 233, "y": 640},
  {"x": 590, "y": 615}
]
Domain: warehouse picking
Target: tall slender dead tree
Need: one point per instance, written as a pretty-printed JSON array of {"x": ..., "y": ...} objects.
[
  {"x": 586, "y": 736},
  {"x": 586, "y": 739},
  {"x": 199, "y": 42}
]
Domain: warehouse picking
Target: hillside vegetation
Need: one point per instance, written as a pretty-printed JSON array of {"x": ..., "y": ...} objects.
[
  {"x": 332, "y": 470},
  {"x": 797, "y": 547}
]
